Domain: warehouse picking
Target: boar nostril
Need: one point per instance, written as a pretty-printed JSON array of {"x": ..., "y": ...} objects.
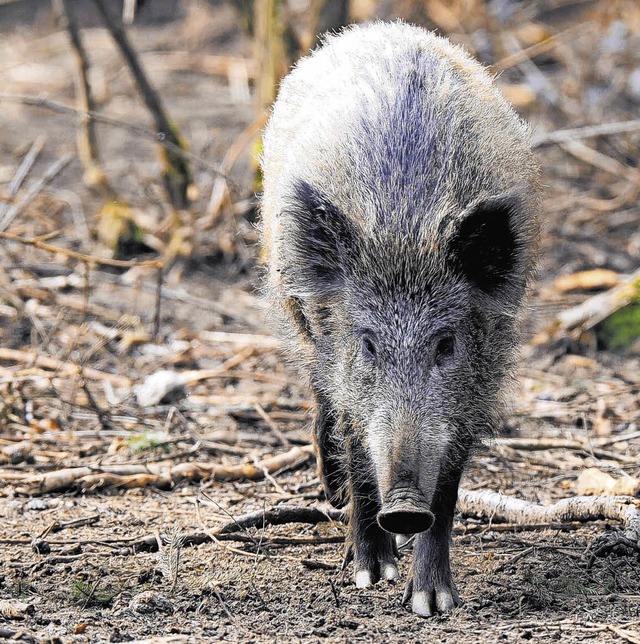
[{"x": 405, "y": 519}]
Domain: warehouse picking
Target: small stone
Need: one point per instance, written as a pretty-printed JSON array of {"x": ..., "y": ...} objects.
[
  {"x": 151, "y": 602},
  {"x": 41, "y": 547},
  {"x": 38, "y": 504},
  {"x": 158, "y": 387},
  {"x": 15, "y": 609}
]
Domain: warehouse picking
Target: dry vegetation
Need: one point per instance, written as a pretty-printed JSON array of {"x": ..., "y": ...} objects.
[{"x": 156, "y": 473}]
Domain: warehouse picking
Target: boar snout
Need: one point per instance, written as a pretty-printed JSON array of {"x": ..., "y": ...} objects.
[{"x": 406, "y": 511}]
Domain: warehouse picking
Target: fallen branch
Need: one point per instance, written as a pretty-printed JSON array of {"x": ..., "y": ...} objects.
[
  {"x": 149, "y": 543},
  {"x": 625, "y": 509},
  {"x": 586, "y": 316},
  {"x": 280, "y": 516},
  {"x": 158, "y": 474},
  {"x": 485, "y": 504},
  {"x": 16, "y": 635}
]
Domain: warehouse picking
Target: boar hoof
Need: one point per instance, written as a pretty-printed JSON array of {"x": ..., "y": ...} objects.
[
  {"x": 365, "y": 578},
  {"x": 427, "y": 603},
  {"x": 389, "y": 572}
]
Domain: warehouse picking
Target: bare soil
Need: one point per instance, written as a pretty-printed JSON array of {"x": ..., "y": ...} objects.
[{"x": 75, "y": 565}]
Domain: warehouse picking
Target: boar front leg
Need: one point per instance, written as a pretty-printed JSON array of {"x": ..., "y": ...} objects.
[
  {"x": 431, "y": 587},
  {"x": 374, "y": 549},
  {"x": 329, "y": 436}
]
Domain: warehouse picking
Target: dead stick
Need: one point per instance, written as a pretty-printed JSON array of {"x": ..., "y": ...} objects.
[
  {"x": 87, "y": 140},
  {"x": 192, "y": 377},
  {"x": 280, "y": 516},
  {"x": 590, "y": 131},
  {"x": 65, "y": 369},
  {"x": 272, "y": 426},
  {"x": 176, "y": 170},
  {"x": 50, "y": 174},
  {"x": 159, "y": 474},
  {"x": 36, "y": 242},
  {"x": 539, "y": 48},
  {"x": 21, "y": 175},
  {"x": 532, "y": 444},
  {"x": 245, "y": 339},
  {"x": 158, "y": 308},
  {"x": 228, "y": 161}
]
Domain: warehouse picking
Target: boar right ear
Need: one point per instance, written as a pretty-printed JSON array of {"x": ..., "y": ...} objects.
[
  {"x": 320, "y": 241},
  {"x": 488, "y": 245}
]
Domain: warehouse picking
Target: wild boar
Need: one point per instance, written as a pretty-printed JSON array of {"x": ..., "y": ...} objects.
[{"x": 399, "y": 233}]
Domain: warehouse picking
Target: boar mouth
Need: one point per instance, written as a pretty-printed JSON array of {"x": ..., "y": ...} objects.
[{"x": 405, "y": 512}]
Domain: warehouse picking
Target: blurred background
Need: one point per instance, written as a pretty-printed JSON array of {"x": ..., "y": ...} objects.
[{"x": 214, "y": 67}]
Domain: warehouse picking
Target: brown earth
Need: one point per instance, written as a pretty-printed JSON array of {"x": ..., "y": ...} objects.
[{"x": 75, "y": 565}]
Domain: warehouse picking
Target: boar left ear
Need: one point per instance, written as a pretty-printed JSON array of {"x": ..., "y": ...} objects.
[
  {"x": 487, "y": 247},
  {"x": 321, "y": 241}
]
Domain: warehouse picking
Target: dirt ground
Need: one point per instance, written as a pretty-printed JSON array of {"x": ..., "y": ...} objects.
[{"x": 93, "y": 477}]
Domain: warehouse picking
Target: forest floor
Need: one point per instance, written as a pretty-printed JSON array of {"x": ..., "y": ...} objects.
[{"x": 94, "y": 468}]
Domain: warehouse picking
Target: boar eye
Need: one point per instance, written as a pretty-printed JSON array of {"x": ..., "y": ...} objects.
[
  {"x": 444, "y": 349},
  {"x": 368, "y": 346}
]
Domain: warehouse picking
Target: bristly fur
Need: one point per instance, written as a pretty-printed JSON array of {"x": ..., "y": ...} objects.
[{"x": 399, "y": 233}]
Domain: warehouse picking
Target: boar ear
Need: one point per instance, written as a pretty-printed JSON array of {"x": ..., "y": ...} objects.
[
  {"x": 487, "y": 247},
  {"x": 321, "y": 240}
]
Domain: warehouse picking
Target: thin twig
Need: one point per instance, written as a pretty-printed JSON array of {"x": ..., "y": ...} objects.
[
  {"x": 21, "y": 175},
  {"x": 158, "y": 307},
  {"x": 272, "y": 426},
  {"x": 545, "y": 443},
  {"x": 36, "y": 242},
  {"x": 587, "y": 132},
  {"x": 50, "y": 174},
  {"x": 138, "y": 130}
]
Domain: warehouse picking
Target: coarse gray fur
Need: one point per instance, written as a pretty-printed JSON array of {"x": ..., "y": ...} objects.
[{"x": 398, "y": 229}]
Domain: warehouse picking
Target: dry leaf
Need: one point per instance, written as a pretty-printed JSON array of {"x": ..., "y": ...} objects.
[
  {"x": 133, "y": 337},
  {"x": 594, "y": 482},
  {"x": 598, "y": 278},
  {"x": 117, "y": 444},
  {"x": 602, "y": 426},
  {"x": 533, "y": 33},
  {"x": 42, "y": 425},
  {"x": 519, "y": 94}
]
